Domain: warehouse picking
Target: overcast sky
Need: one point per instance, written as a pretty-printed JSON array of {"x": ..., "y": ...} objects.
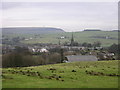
[{"x": 70, "y": 16}]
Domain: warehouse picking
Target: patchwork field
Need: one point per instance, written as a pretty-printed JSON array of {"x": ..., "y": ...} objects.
[
  {"x": 80, "y": 37},
  {"x": 94, "y": 74}
]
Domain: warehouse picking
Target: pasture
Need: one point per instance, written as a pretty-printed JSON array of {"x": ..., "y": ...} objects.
[
  {"x": 80, "y": 37},
  {"x": 89, "y": 74}
]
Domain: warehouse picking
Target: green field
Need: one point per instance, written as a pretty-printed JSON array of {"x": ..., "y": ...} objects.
[
  {"x": 89, "y": 74},
  {"x": 80, "y": 37}
]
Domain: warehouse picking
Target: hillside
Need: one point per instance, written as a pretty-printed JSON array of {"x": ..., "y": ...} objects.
[
  {"x": 80, "y": 37},
  {"x": 30, "y": 30},
  {"x": 53, "y": 35},
  {"x": 94, "y": 74}
]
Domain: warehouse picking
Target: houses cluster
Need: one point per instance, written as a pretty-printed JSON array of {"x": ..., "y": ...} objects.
[
  {"x": 74, "y": 53},
  {"x": 34, "y": 49},
  {"x": 26, "y": 39},
  {"x": 82, "y": 53}
]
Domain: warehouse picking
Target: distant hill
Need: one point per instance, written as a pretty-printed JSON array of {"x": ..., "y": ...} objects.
[
  {"x": 116, "y": 30},
  {"x": 52, "y": 35},
  {"x": 92, "y": 30},
  {"x": 31, "y": 30}
]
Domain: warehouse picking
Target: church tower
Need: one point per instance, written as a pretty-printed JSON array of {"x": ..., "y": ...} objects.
[{"x": 72, "y": 40}]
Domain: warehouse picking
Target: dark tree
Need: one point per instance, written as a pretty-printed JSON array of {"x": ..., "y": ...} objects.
[
  {"x": 115, "y": 48},
  {"x": 62, "y": 56},
  {"x": 97, "y": 44}
]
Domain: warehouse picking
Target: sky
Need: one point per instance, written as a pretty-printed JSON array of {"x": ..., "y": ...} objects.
[{"x": 69, "y": 16}]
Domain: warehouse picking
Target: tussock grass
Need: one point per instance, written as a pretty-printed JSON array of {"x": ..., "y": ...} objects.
[{"x": 65, "y": 75}]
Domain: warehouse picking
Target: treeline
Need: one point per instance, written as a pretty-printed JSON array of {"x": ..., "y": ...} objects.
[
  {"x": 21, "y": 57},
  {"x": 115, "y": 48},
  {"x": 84, "y": 44},
  {"x": 95, "y": 44}
]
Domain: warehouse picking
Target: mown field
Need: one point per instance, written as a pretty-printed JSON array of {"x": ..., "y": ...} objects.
[
  {"x": 94, "y": 74},
  {"x": 80, "y": 37}
]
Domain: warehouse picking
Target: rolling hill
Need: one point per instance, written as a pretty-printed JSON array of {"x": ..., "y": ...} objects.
[
  {"x": 31, "y": 30},
  {"x": 80, "y": 37},
  {"x": 52, "y": 35}
]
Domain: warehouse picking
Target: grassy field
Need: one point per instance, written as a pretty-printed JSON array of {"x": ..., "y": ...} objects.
[
  {"x": 80, "y": 37},
  {"x": 94, "y": 74}
]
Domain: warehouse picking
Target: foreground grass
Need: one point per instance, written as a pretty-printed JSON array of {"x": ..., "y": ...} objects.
[{"x": 65, "y": 75}]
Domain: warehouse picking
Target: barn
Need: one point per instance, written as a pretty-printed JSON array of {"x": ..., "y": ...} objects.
[{"x": 74, "y": 58}]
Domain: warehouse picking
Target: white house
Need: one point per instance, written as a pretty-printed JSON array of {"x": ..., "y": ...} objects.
[{"x": 44, "y": 50}]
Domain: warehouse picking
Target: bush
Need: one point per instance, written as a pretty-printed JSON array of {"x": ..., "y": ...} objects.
[
  {"x": 21, "y": 57},
  {"x": 115, "y": 48},
  {"x": 55, "y": 58},
  {"x": 21, "y": 60}
]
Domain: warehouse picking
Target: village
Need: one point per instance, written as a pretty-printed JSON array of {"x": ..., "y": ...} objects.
[
  {"x": 67, "y": 52},
  {"x": 59, "y": 44}
]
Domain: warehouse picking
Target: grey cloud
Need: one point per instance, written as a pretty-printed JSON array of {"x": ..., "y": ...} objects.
[{"x": 85, "y": 13}]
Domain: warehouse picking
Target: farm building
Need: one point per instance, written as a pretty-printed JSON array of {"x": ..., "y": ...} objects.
[{"x": 73, "y": 58}]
